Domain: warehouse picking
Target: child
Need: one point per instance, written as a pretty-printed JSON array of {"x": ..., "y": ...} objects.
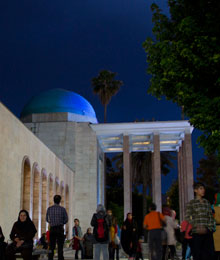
[
  {"x": 77, "y": 239},
  {"x": 88, "y": 240},
  {"x": 139, "y": 250}
]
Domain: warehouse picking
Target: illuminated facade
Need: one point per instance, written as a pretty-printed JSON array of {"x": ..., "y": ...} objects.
[{"x": 59, "y": 148}]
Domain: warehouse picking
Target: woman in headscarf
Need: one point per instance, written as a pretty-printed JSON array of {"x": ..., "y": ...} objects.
[
  {"x": 169, "y": 228},
  {"x": 22, "y": 234},
  {"x": 78, "y": 239},
  {"x": 129, "y": 236},
  {"x": 216, "y": 234}
]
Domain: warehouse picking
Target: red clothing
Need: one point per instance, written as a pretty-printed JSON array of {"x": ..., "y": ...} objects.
[
  {"x": 186, "y": 227},
  {"x": 48, "y": 235}
]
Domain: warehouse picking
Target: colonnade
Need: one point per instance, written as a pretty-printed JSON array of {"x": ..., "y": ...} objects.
[
  {"x": 38, "y": 191},
  {"x": 185, "y": 173}
]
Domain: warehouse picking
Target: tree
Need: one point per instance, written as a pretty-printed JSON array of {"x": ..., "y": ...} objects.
[
  {"x": 106, "y": 86},
  {"x": 184, "y": 61},
  {"x": 207, "y": 173}
]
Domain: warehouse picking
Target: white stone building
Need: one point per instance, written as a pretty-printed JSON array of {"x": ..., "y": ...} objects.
[{"x": 58, "y": 148}]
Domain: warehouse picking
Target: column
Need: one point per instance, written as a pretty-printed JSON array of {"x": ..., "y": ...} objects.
[
  {"x": 127, "y": 176},
  {"x": 156, "y": 172},
  {"x": 188, "y": 166},
  {"x": 181, "y": 183}
]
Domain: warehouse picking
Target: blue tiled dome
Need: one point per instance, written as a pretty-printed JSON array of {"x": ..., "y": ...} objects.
[{"x": 60, "y": 100}]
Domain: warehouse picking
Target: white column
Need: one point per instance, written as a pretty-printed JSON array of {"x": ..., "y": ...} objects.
[
  {"x": 156, "y": 173},
  {"x": 127, "y": 176}
]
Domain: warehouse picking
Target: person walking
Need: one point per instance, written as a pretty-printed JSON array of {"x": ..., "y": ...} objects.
[
  {"x": 129, "y": 236},
  {"x": 153, "y": 223},
  {"x": 199, "y": 215},
  {"x": 170, "y": 227},
  {"x": 22, "y": 234},
  {"x": 101, "y": 225},
  {"x": 57, "y": 217},
  {"x": 78, "y": 239}
]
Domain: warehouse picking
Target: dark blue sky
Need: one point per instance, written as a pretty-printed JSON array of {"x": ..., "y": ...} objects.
[{"x": 63, "y": 44}]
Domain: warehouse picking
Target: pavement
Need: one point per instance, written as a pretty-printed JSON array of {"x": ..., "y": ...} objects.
[{"x": 69, "y": 254}]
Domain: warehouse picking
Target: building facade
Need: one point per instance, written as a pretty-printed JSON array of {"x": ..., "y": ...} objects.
[{"x": 58, "y": 147}]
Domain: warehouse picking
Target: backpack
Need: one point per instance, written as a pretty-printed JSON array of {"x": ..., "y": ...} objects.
[{"x": 101, "y": 231}]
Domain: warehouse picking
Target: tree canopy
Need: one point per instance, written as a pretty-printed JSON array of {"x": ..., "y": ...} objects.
[{"x": 184, "y": 61}]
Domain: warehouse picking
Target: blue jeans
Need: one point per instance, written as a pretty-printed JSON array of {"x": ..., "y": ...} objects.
[{"x": 101, "y": 247}]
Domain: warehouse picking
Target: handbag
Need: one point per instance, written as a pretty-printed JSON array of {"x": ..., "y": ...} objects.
[
  {"x": 117, "y": 240},
  {"x": 180, "y": 236}
]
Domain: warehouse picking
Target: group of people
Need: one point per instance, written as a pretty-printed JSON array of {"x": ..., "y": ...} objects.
[
  {"x": 105, "y": 235},
  {"x": 200, "y": 232},
  {"x": 24, "y": 231}
]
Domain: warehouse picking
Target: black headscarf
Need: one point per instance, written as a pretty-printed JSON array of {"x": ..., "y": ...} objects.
[
  {"x": 25, "y": 224},
  {"x": 128, "y": 235},
  {"x": 25, "y": 230}
]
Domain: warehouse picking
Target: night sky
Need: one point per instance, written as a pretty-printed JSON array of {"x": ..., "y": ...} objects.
[{"x": 63, "y": 44}]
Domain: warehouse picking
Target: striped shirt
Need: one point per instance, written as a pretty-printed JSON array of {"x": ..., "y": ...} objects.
[
  {"x": 199, "y": 214},
  {"x": 56, "y": 215}
]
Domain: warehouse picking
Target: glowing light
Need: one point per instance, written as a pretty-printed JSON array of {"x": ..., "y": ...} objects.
[
  {"x": 141, "y": 143},
  {"x": 114, "y": 149},
  {"x": 169, "y": 142}
]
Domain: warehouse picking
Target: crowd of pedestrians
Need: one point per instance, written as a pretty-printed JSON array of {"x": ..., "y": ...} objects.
[{"x": 199, "y": 233}]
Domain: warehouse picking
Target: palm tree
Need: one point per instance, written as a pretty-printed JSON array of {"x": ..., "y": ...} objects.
[{"x": 106, "y": 86}]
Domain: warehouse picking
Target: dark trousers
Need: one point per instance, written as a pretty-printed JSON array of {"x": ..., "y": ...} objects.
[
  {"x": 203, "y": 247},
  {"x": 11, "y": 250},
  {"x": 155, "y": 244},
  {"x": 112, "y": 251},
  {"x": 139, "y": 256},
  {"x": 77, "y": 251},
  {"x": 217, "y": 255},
  {"x": 2, "y": 250},
  {"x": 185, "y": 244},
  {"x": 56, "y": 236},
  {"x": 171, "y": 252}
]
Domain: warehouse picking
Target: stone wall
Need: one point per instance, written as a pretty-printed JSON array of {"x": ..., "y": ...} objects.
[{"x": 19, "y": 145}]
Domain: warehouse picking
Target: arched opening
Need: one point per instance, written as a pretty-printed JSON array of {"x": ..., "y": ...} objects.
[
  {"x": 44, "y": 201},
  {"x": 51, "y": 193},
  {"x": 57, "y": 186},
  {"x": 62, "y": 194},
  {"x": 26, "y": 184},
  {"x": 36, "y": 196}
]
